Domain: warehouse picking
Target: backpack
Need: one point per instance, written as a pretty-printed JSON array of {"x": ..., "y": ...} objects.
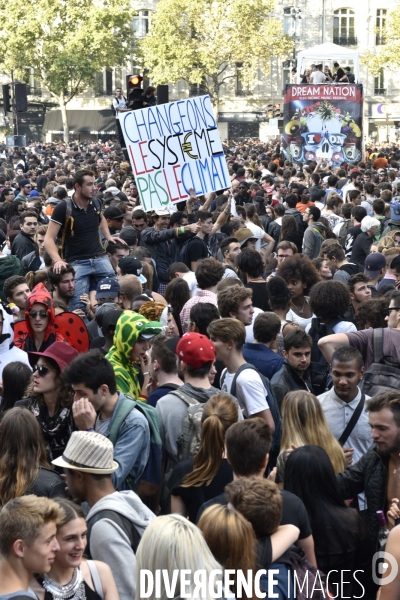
[
  {"x": 188, "y": 442},
  {"x": 319, "y": 368},
  {"x": 123, "y": 522},
  {"x": 151, "y": 414},
  {"x": 184, "y": 253},
  {"x": 272, "y": 403},
  {"x": 214, "y": 242},
  {"x": 69, "y": 222},
  {"x": 114, "y": 112},
  {"x": 343, "y": 232},
  {"x": 384, "y": 373}
]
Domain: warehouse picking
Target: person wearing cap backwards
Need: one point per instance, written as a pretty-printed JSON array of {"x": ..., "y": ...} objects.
[
  {"x": 116, "y": 520},
  {"x": 114, "y": 217},
  {"x": 375, "y": 267},
  {"x": 196, "y": 355},
  {"x": 128, "y": 353},
  {"x": 158, "y": 240}
]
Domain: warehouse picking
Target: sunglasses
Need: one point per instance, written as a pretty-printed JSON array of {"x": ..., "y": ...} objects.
[
  {"x": 42, "y": 371},
  {"x": 42, "y": 314}
]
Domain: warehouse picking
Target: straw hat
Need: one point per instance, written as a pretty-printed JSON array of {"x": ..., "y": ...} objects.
[{"x": 88, "y": 452}]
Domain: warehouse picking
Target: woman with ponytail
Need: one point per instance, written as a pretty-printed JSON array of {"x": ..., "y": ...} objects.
[{"x": 203, "y": 477}]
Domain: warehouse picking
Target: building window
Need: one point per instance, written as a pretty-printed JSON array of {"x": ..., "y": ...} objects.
[
  {"x": 108, "y": 82},
  {"x": 344, "y": 27},
  {"x": 141, "y": 23},
  {"x": 379, "y": 83},
  {"x": 242, "y": 88},
  {"x": 288, "y": 21},
  {"x": 381, "y": 14},
  {"x": 198, "y": 89}
]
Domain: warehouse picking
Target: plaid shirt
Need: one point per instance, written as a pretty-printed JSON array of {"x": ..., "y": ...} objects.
[{"x": 200, "y": 296}]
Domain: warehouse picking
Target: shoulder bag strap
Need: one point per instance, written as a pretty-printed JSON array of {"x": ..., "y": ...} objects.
[
  {"x": 188, "y": 400},
  {"x": 352, "y": 423},
  {"x": 94, "y": 572},
  {"x": 125, "y": 407},
  {"x": 377, "y": 344},
  {"x": 240, "y": 369}
]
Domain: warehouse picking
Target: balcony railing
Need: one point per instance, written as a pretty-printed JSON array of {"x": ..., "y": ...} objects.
[
  {"x": 380, "y": 91},
  {"x": 345, "y": 41}
]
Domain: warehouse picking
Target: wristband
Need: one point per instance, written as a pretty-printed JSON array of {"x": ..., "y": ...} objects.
[
  {"x": 182, "y": 230},
  {"x": 90, "y": 429}
]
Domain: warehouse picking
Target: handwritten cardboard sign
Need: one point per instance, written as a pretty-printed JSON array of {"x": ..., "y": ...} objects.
[{"x": 173, "y": 147}]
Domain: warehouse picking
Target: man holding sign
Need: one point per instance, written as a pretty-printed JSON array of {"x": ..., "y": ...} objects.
[{"x": 159, "y": 240}]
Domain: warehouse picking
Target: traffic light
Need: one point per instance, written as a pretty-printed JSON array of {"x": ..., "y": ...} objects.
[
  {"x": 21, "y": 99},
  {"x": 134, "y": 91},
  {"x": 7, "y": 97},
  {"x": 270, "y": 111},
  {"x": 277, "y": 111}
]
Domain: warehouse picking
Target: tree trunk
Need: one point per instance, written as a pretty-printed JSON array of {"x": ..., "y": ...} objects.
[
  {"x": 64, "y": 117},
  {"x": 214, "y": 96}
]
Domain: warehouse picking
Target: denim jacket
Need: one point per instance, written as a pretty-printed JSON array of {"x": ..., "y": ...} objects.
[{"x": 132, "y": 449}]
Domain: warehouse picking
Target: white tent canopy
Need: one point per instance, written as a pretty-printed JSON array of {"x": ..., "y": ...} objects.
[{"x": 328, "y": 53}]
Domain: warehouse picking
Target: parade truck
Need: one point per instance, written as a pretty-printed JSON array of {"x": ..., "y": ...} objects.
[{"x": 324, "y": 122}]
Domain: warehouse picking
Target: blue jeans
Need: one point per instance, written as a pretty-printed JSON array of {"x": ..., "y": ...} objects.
[{"x": 88, "y": 273}]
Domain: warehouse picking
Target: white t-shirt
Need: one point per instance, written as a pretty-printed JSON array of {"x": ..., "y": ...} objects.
[
  {"x": 191, "y": 280},
  {"x": 250, "y": 391},
  {"x": 258, "y": 233},
  {"x": 121, "y": 103},
  {"x": 318, "y": 77},
  {"x": 249, "y": 328}
]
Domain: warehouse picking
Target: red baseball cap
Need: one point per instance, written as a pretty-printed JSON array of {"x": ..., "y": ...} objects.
[
  {"x": 195, "y": 349},
  {"x": 62, "y": 354}
]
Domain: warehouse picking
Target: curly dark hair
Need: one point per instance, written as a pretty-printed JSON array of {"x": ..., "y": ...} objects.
[
  {"x": 330, "y": 299},
  {"x": 371, "y": 313},
  {"x": 65, "y": 395},
  {"x": 299, "y": 267}
]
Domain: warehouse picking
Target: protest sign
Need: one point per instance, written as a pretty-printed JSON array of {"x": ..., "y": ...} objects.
[
  {"x": 172, "y": 148},
  {"x": 323, "y": 121}
]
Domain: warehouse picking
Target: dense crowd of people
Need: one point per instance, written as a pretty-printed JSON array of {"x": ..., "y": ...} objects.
[{"x": 209, "y": 386}]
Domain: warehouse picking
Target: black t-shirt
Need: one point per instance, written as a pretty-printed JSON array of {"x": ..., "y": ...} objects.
[
  {"x": 195, "y": 497},
  {"x": 293, "y": 512},
  {"x": 41, "y": 183},
  {"x": 260, "y": 295},
  {"x": 351, "y": 237},
  {"x": 85, "y": 243},
  {"x": 361, "y": 248},
  {"x": 197, "y": 250}
]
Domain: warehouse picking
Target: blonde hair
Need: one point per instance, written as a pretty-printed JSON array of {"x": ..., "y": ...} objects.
[
  {"x": 172, "y": 542},
  {"x": 230, "y": 538},
  {"x": 220, "y": 412},
  {"x": 148, "y": 272},
  {"x": 23, "y": 518},
  {"x": 304, "y": 422}
]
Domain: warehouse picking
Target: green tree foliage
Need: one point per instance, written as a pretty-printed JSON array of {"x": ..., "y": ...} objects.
[
  {"x": 66, "y": 42},
  {"x": 388, "y": 55},
  {"x": 202, "y": 41}
]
